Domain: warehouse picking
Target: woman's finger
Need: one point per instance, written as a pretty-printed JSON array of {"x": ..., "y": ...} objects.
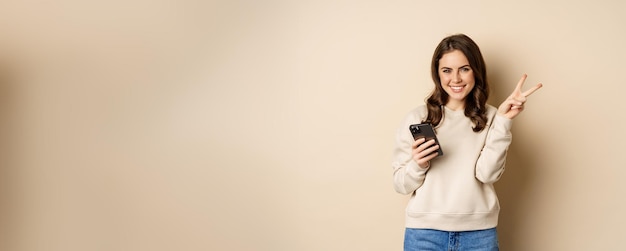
[
  {"x": 527, "y": 93},
  {"x": 418, "y": 142},
  {"x": 518, "y": 88},
  {"x": 423, "y": 149}
]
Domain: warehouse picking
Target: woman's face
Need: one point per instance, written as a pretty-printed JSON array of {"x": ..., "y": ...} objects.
[{"x": 457, "y": 78}]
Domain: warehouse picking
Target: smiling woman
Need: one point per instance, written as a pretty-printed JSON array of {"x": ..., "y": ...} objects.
[{"x": 453, "y": 198}]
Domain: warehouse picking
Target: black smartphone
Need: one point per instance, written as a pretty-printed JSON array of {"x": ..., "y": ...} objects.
[{"x": 425, "y": 131}]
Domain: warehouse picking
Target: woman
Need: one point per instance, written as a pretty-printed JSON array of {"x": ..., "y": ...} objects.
[{"x": 453, "y": 203}]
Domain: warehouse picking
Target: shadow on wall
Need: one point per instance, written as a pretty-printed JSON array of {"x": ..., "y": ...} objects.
[
  {"x": 514, "y": 187},
  {"x": 8, "y": 152}
]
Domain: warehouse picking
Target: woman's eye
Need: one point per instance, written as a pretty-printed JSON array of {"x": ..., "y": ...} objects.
[
  {"x": 466, "y": 69},
  {"x": 446, "y": 70}
]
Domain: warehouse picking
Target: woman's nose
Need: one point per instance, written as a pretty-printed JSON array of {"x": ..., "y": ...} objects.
[{"x": 456, "y": 77}]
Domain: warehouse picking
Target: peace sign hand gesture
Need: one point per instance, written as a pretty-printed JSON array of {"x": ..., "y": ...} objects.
[{"x": 514, "y": 104}]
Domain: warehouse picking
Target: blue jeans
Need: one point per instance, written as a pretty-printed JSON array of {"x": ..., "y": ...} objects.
[{"x": 435, "y": 240}]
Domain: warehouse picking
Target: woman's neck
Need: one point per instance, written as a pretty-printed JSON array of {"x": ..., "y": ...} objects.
[{"x": 455, "y": 106}]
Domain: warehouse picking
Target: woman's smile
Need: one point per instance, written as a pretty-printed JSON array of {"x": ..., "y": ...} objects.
[{"x": 457, "y": 89}]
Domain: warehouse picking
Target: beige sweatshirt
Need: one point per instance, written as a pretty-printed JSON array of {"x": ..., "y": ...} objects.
[{"x": 456, "y": 193}]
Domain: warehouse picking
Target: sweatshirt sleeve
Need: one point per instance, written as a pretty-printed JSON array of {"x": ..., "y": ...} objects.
[
  {"x": 407, "y": 175},
  {"x": 490, "y": 164}
]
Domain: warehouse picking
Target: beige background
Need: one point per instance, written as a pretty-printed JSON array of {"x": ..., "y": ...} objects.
[{"x": 268, "y": 125}]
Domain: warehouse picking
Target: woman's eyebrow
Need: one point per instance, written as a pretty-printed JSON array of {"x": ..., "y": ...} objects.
[{"x": 446, "y": 67}]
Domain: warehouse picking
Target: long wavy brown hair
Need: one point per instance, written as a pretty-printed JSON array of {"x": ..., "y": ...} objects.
[{"x": 475, "y": 103}]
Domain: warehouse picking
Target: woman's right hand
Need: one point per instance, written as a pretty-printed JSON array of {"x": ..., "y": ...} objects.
[{"x": 424, "y": 151}]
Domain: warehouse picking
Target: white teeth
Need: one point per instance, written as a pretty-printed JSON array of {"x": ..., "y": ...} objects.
[{"x": 456, "y": 88}]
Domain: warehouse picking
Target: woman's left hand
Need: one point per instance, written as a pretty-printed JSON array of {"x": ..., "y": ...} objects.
[{"x": 514, "y": 104}]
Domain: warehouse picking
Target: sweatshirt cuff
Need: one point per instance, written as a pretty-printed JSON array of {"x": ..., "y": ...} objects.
[
  {"x": 502, "y": 122},
  {"x": 414, "y": 169}
]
